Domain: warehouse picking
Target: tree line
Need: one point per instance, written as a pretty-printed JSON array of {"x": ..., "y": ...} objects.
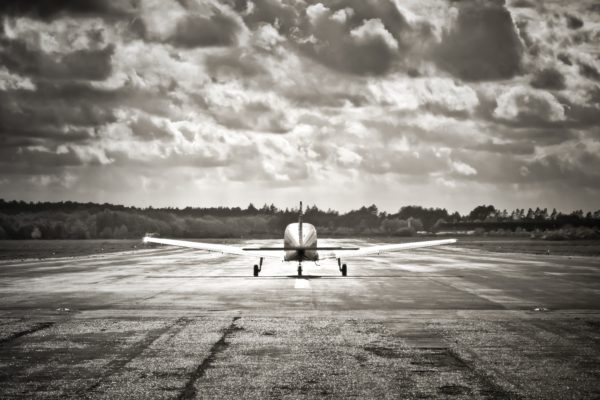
[{"x": 73, "y": 220}]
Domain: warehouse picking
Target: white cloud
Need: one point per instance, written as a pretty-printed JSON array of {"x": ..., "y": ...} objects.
[
  {"x": 267, "y": 37},
  {"x": 9, "y": 81},
  {"x": 347, "y": 157},
  {"x": 316, "y": 11},
  {"x": 161, "y": 17},
  {"x": 409, "y": 93},
  {"x": 463, "y": 168},
  {"x": 342, "y": 15},
  {"x": 63, "y": 180},
  {"x": 523, "y": 102},
  {"x": 374, "y": 29},
  {"x": 58, "y": 36},
  {"x": 276, "y": 112}
]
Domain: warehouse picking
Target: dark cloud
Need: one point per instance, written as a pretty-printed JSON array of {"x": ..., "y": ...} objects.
[
  {"x": 564, "y": 58},
  {"x": 68, "y": 112},
  {"x": 274, "y": 12},
  {"x": 201, "y": 31},
  {"x": 573, "y": 22},
  {"x": 520, "y": 147},
  {"x": 181, "y": 112},
  {"x": 357, "y": 37},
  {"x": 510, "y": 141},
  {"x": 334, "y": 99},
  {"x": 373, "y": 56},
  {"x": 35, "y": 161},
  {"x": 234, "y": 63},
  {"x": 386, "y": 160},
  {"x": 194, "y": 159},
  {"x": 523, "y": 27},
  {"x": 14, "y": 135},
  {"x": 548, "y": 78},
  {"x": 49, "y": 9},
  {"x": 65, "y": 113},
  {"x": 360, "y": 37},
  {"x": 589, "y": 71},
  {"x": 491, "y": 167},
  {"x": 257, "y": 116},
  {"x": 62, "y": 104},
  {"x": 584, "y": 116},
  {"x": 482, "y": 45},
  {"x": 522, "y": 4},
  {"x": 535, "y": 136},
  {"x": 22, "y": 59},
  {"x": 573, "y": 168},
  {"x": 198, "y": 28},
  {"x": 579, "y": 170},
  {"x": 146, "y": 129}
]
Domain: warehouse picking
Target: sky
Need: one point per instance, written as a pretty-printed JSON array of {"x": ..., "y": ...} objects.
[{"x": 337, "y": 103}]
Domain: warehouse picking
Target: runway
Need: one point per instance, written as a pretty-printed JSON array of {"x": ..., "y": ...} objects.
[{"x": 443, "y": 322}]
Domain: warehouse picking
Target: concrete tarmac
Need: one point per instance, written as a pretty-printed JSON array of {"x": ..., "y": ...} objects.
[{"x": 170, "y": 323}]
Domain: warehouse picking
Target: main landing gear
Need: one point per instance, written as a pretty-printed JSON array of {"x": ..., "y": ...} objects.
[
  {"x": 258, "y": 268},
  {"x": 343, "y": 267}
]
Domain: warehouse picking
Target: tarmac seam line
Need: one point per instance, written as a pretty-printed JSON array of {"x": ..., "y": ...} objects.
[
  {"x": 135, "y": 350},
  {"x": 189, "y": 391},
  {"x": 489, "y": 386},
  {"x": 35, "y": 328}
]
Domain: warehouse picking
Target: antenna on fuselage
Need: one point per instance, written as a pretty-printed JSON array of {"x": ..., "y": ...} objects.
[{"x": 300, "y": 225}]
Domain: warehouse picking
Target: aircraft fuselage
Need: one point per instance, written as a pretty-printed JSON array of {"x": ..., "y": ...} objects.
[{"x": 292, "y": 239}]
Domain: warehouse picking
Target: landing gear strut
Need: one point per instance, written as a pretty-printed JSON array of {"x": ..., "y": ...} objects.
[
  {"x": 343, "y": 267},
  {"x": 258, "y": 268},
  {"x": 299, "y": 269}
]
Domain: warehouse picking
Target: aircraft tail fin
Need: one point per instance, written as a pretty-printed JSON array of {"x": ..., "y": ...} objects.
[{"x": 300, "y": 225}]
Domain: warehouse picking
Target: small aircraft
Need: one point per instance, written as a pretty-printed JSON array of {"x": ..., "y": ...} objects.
[{"x": 299, "y": 244}]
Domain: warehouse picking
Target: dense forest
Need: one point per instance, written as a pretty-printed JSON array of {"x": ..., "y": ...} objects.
[{"x": 72, "y": 220}]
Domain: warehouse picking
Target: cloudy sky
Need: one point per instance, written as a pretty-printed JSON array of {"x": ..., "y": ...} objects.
[{"x": 339, "y": 103}]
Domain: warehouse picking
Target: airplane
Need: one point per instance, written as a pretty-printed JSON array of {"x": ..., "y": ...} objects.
[{"x": 299, "y": 244}]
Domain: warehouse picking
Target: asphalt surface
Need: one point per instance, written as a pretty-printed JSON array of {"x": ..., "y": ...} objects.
[{"x": 170, "y": 323}]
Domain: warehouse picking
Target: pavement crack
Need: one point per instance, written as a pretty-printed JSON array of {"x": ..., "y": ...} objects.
[
  {"x": 189, "y": 391},
  {"x": 35, "y": 328},
  {"x": 135, "y": 350},
  {"x": 489, "y": 388}
]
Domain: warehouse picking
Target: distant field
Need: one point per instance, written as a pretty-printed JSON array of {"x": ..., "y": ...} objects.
[
  {"x": 21, "y": 249},
  {"x": 15, "y": 249},
  {"x": 529, "y": 246},
  {"x": 589, "y": 248}
]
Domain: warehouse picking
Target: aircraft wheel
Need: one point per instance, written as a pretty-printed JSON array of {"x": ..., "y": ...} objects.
[
  {"x": 344, "y": 270},
  {"x": 299, "y": 271},
  {"x": 255, "y": 270}
]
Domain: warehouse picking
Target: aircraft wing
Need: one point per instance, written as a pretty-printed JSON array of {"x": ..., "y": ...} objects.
[
  {"x": 375, "y": 250},
  {"x": 214, "y": 247}
]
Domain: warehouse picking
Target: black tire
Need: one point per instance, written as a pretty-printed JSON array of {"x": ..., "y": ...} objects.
[
  {"x": 344, "y": 270},
  {"x": 256, "y": 270},
  {"x": 299, "y": 271}
]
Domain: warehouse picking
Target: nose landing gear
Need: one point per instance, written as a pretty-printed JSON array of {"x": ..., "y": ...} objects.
[{"x": 299, "y": 269}]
